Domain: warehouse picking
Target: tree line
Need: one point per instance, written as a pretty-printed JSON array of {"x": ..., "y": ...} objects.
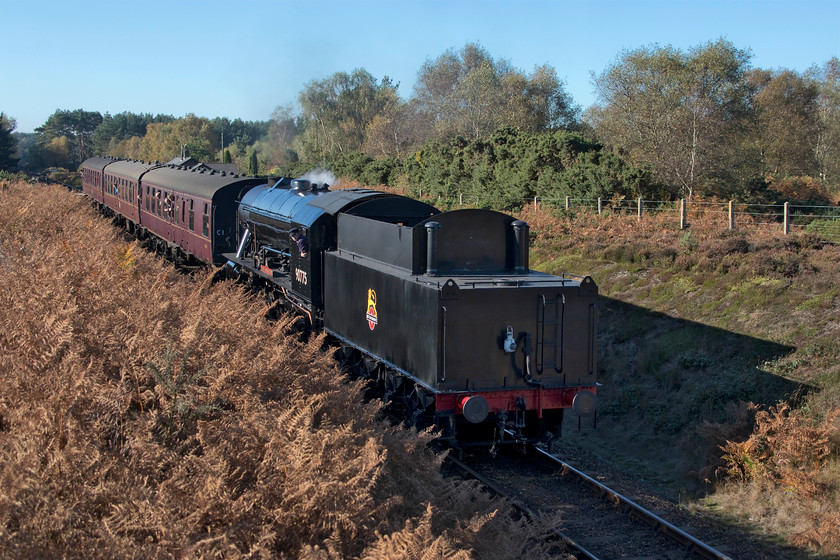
[{"x": 667, "y": 123}]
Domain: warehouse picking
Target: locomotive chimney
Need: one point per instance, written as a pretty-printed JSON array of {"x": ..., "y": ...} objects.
[
  {"x": 431, "y": 247},
  {"x": 520, "y": 253}
]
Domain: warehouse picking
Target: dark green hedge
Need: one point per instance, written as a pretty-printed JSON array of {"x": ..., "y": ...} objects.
[{"x": 505, "y": 171}]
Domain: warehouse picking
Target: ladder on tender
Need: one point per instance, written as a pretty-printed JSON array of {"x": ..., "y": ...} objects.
[{"x": 550, "y": 327}]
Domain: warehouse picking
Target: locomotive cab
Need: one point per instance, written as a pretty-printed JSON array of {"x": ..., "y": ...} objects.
[{"x": 268, "y": 214}]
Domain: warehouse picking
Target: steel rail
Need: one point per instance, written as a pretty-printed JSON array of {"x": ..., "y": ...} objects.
[
  {"x": 668, "y": 529},
  {"x": 523, "y": 509}
]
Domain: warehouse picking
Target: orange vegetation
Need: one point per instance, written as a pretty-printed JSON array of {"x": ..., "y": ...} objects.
[{"x": 148, "y": 414}]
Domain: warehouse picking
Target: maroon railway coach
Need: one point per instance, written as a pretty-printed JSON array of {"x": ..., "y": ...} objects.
[
  {"x": 122, "y": 189},
  {"x": 187, "y": 214},
  {"x": 193, "y": 211},
  {"x": 93, "y": 177}
]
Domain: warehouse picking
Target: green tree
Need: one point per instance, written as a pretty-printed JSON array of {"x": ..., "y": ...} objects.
[
  {"x": 78, "y": 127},
  {"x": 164, "y": 140},
  {"x": 8, "y": 144},
  {"x": 237, "y": 134},
  {"x": 337, "y": 111},
  {"x": 827, "y": 146},
  {"x": 55, "y": 153},
  {"x": 253, "y": 164},
  {"x": 677, "y": 111},
  {"x": 787, "y": 122},
  {"x": 117, "y": 128},
  {"x": 237, "y": 129},
  {"x": 511, "y": 167},
  {"x": 25, "y": 142},
  {"x": 470, "y": 94},
  {"x": 393, "y": 131}
]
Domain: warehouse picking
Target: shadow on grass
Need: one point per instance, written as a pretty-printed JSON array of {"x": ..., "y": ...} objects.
[
  {"x": 673, "y": 390},
  {"x": 665, "y": 378}
]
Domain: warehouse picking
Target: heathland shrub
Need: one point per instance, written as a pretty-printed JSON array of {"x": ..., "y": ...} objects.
[{"x": 789, "y": 453}]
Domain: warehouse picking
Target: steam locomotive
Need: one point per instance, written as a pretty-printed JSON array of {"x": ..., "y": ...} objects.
[{"x": 440, "y": 310}]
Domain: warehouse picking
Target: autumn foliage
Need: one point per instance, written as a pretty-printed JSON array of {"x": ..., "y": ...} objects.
[
  {"x": 789, "y": 451},
  {"x": 804, "y": 190},
  {"x": 148, "y": 414}
]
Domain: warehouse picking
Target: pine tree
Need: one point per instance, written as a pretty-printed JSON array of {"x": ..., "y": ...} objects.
[
  {"x": 253, "y": 164},
  {"x": 8, "y": 144}
]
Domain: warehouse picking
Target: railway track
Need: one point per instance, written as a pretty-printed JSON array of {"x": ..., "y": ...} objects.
[{"x": 591, "y": 520}]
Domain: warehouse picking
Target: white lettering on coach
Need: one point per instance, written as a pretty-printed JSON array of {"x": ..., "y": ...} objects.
[{"x": 300, "y": 276}]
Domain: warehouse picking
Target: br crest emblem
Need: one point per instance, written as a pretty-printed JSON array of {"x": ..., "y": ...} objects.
[{"x": 371, "y": 315}]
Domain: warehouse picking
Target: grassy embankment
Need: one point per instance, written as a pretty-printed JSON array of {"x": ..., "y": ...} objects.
[
  {"x": 709, "y": 336},
  {"x": 146, "y": 414}
]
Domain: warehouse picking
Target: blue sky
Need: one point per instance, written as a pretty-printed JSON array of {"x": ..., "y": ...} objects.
[{"x": 243, "y": 59}]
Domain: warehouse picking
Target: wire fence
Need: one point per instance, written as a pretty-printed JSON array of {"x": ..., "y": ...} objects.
[{"x": 823, "y": 221}]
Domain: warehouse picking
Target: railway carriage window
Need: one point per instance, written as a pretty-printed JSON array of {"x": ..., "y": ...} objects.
[
  {"x": 192, "y": 216},
  {"x": 205, "y": 223},
  {"x": 147, "y": 199},
  {"x": 183, "y": 210}
]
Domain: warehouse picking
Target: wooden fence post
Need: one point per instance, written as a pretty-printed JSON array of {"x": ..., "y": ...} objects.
[
  {"x": 682, "y": 213},
  {"x": 460, "y": 199},
  {"x": 787, "y": 218},
  {"x": 640, "y": 207},
  {"x": 535, "y": 203},
  {"x": 731, "y": 216},
  {"x": 599, "y": 205},
  {"x": 567, "y": 203}
]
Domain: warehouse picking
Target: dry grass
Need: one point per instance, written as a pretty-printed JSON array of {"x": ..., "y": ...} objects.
[
  {"x": 146, "y": 414},
  {"x": 788, "y": 455},
  {"x": 717, "y": 349}
]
